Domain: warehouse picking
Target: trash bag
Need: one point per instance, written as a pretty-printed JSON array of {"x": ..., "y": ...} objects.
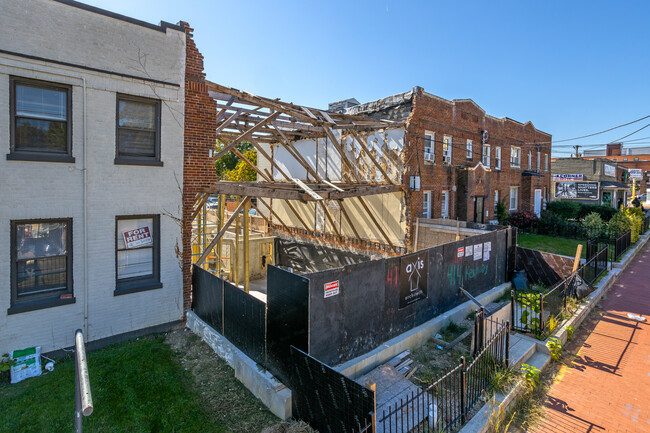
[
  {"x": 520, "y": 280},
  {"x": 578, "y": 288}
]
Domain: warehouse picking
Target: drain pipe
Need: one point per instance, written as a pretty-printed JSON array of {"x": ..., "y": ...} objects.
[{"x": 85, "y": 211}]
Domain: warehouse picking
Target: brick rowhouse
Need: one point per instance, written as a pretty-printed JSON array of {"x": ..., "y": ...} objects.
[{"x": 200, "y": 138}]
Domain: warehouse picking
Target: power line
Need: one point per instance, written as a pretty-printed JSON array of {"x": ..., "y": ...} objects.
[
  {"x": 632, "y": 133},
  {"x": 602, "y": 132}
]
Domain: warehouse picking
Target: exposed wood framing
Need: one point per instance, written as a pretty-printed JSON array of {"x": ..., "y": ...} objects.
[
  {"x": 223, "y": 230},
  {"x": 374, "y": 220},
  {"x": 372, "y": 158}
]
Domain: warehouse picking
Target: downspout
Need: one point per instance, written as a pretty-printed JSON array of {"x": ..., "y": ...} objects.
[{"x": 85, "y": 210}]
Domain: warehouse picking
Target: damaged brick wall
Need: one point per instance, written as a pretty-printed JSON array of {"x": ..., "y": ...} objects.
[{"x": 200, "y": 138}]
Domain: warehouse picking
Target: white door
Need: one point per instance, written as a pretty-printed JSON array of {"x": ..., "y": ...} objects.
[{"x": 538, "y": 202}]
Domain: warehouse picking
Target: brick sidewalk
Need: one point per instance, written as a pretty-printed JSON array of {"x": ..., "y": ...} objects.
[{"x": 607, "y": 387}]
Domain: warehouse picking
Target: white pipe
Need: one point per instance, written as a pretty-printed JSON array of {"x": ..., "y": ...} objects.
[{"x": 85, "y": 210}]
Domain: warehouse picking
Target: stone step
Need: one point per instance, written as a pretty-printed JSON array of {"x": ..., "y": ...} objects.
[
  {"x": 539, "y": 360},
  {"x": 521, "y": 349}
]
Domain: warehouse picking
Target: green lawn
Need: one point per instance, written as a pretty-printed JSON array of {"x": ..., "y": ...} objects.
[
  {"x": 137, "y": 386},
  {"x": 550, "y": 244}
]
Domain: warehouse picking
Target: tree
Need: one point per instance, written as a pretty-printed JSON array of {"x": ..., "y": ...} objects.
[
  {"x": 242, "y": 171},
  {"x": 229, "y": 161}
]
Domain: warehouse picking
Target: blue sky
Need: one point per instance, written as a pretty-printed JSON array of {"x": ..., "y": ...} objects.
[{"x": 570, "y": 67}]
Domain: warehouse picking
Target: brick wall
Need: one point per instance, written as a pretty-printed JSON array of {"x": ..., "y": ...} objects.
[
  {"x": 462, "y": 120},
  {"x": 200, "y": 137}
]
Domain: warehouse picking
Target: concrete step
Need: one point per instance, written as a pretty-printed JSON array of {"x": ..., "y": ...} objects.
[
  {"x": 539, "y": 360},
  {"x": 521, "y": 349}
]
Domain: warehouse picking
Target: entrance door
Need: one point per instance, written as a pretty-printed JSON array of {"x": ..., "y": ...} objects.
[
  {"x": 538, "y": 202},
  {"x": 479, "y": 210}
]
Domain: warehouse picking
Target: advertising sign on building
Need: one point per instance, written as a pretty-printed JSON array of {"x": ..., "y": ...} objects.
[
  {"x": 414, "y": 278},
  {"x": 567, "y": 177},
  {"x": 331, "y": 288},
  {"x": 576, "y": 190},
  {"x": 610, "y": 170},
  {"x": 636, "y": 173},
  {"x": 137, "y": 237}
]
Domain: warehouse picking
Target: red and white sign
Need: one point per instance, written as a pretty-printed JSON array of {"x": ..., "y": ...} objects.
[
  {"x": 331, "y": 289},
  {"x": 461, "y": 252},
  {"x": 137, "y": 238}
]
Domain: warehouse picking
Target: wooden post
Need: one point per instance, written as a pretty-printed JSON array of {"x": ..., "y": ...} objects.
[
  {"x": 576, "y": 261},
  {"x": 246, "y": 249},
  {"x": 457, "y": 229},
  {"x": 236, "y": 274},
  {"x": 222, "y": 205}
]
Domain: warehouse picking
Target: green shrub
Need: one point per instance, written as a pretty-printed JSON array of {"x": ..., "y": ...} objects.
[
  {"x": 593, "y": 225},
  {"x": 565, "y": 208},
  {"x": 636, "y": 221},
  {"x": 523, "y": 219},
  {"x": 605, "y": 212},
  {"x": 502, "y": 213},
  {"x": 531, "y": 375},
  {"x": 618, "y": 225},
  {"x": 555, "y": 347},
  {"x": 553, "y": 224}
]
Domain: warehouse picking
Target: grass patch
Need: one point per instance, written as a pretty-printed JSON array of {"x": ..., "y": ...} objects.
[
  {"x": 451, "y": 332},
  {"x": 551, "y": 244},
  {"x": 137, "y": 386}
]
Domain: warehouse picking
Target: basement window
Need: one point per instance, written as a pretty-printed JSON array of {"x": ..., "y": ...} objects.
[
  {"x": 137, "y": 262},
  {"x": 40, "y": 121},
  {"x": 41, "y": 264},
  {"x": 138, "y": 131}
]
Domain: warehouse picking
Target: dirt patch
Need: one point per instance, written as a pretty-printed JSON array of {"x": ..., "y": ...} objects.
[{"x": 224, "y": 398}]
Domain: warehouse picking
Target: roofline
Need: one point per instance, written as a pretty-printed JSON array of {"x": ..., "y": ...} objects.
[{"x": 162, "y": 27}]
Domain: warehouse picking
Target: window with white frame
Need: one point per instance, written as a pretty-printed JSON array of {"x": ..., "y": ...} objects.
[
  {"x": 429, "y": 140},
  {"x": 446, "y": 150},
  {"x": 530, "y": 160},
  {"x": 469, "y": 149},
  {"x": 497, "y": 158},
  {"x": 444, "y": 205},
  {"x": 486, "y": 155},
  {"x": 426, "y": 204},
  {"x": 546, "y": 162},
  {"x": 514, "y": 197},
  {"x": 515, "y": 157},
  {"x": 496, "y": 200}
]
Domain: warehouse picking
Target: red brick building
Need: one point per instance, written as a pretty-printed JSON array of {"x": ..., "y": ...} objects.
[
  {"x": 465, "y": 159},
  {"x": 629, "y": 158}
]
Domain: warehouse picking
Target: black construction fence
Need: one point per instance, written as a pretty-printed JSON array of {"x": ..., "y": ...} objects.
[
  {"x": 338, "y": 314},
  {"x": 540, "y": 312},
  {"x": 445, "y": 404}
]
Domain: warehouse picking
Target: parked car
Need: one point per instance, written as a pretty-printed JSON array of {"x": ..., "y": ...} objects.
[{"x": 212, "y": 202}]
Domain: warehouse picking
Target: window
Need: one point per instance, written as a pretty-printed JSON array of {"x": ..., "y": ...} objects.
[
  {"x": 546, "y": 162},
  {"x": 137, "y": 262},
  {"x": 138, "y": 131},
  {"x": 530, "y": 160},
  {"x": 446, "y": 150},
  {"x": 539, "y": 160},
  {"x": 497, "y": 158},
  {"x": 636, "y": 159},
  {"x": 444, "y": 206},
  {"x": 496, "y": 200},
  {"x": 469, "y": 150},
  {"x": 515, "y": 157},
  {"x": 426, "y": 204},
  {"x": 624, "y": 159},
  {"x": 486, "y": 155},
  {"x": 40, "y": 121},
  {"x": 514, "y": 195},
  {"x": 429, "y": 140},
  {"x": 41, "y": 264}
]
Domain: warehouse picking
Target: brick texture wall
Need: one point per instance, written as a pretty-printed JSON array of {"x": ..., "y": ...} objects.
[
  {"x": 462, "y": 120},
  {"x": 200, "y": 137}
]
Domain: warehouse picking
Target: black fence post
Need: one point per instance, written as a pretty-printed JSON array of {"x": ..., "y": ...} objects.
[
  {"x": 463, "y": 394},
  {"x": 541, "y": 313},
  {"x": 507, "y": 359},
  {"x": 512, "y": 306},
  {"x": 482, "y": 327}
]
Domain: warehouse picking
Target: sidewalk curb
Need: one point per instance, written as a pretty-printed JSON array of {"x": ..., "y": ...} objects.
[{"x": 480, "y": 422}]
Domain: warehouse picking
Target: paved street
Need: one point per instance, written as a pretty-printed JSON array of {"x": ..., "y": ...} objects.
[{"x": 607, "y": 388}]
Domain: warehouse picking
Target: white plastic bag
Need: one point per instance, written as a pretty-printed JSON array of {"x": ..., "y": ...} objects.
[{"x": 28, "y": 363}]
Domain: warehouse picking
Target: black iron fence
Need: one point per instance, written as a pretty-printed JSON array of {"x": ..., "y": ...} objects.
[
  {"x": 596, "y": 264},
  {"x": 445, "y": 404},
  {"x": 646, "y": 225},
  {"x": 621, "y": 244}
]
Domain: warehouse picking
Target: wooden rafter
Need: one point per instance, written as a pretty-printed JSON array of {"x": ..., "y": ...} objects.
[{"x": 223, "y": 230}]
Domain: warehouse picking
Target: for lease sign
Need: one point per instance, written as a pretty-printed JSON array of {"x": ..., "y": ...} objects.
[{"x": 137, "y": 237}]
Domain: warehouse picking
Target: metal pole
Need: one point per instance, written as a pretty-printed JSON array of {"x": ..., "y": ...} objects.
[
  {"x": 83, "y": 396},
  {"x": 507, "y": 360},
  {"x": 463, "y": 394}
]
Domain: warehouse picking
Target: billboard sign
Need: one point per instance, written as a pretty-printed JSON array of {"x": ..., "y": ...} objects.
[
  {"x": 414, "y": 278},
  {"x": 636, "y": 173},
  {"x": 609, "y": 170},
  {"x": 576, "y": 190},
  {"x": 567, "y": 177}
]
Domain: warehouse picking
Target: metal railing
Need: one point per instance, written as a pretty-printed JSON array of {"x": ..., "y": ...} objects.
[
  {"x": 596, "y": 264},
  {"x": 446, "y": 403},
  {"x": 83, "y": 396},
  {"x": 621, "y": 244},
  {"x": 646, "y": 225}
]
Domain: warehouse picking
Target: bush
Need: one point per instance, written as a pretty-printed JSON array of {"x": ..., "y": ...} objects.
[
  {"x": 636, "y": 221},
  {"x": 523, "y": 219},
  {"x": 552, "y": 224},
  {"x": 593, "y": 225},
  {"x": 502, "y": 213},
  {"x": 605, "y": 212},
  {"x": 565, "y": 208},
  {"x": 618, "y": 225}
]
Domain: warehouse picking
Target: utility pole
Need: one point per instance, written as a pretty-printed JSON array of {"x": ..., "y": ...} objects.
[{"x": 577, "y": 146}]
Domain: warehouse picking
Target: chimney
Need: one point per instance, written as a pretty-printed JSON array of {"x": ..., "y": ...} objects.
[{"x": 614, "y": 149}]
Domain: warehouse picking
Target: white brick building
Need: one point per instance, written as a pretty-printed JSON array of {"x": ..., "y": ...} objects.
[{"x": 91, "y": 128}]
